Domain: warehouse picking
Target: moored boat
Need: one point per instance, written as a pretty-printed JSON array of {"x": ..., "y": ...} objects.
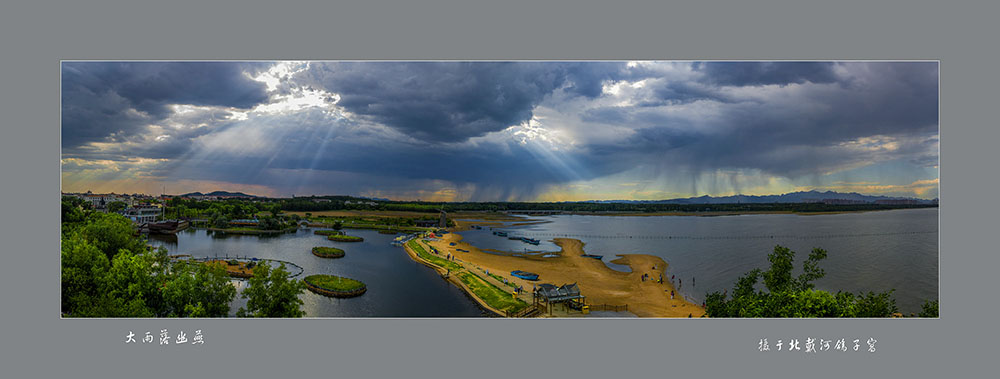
[{"x": 524, "y": 275}]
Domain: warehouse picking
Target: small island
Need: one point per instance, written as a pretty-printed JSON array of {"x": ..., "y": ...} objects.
[
  {"x": 338, "y": 236},
  {"x": 334, "y": 286},
  {"x": 235, "y": 268},
  {"x": 327, "y": 252},
  {"x": 344, "y": 238}
]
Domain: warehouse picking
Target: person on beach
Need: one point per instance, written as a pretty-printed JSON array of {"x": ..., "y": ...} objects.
[{"x": 671, "y": 295}]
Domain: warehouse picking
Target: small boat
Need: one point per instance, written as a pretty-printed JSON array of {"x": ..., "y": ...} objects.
[
  {"x": 524, "y": 275},
  {"x": 501, "y": 234},
  {"x": 530, "y": 240},
  {"x": 451, "y": 244},
  {"x": 592, "y": 256}
]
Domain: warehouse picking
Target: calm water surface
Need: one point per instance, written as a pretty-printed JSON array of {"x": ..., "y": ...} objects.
[
  {"x": 871, "y": 251},
  {"x": 397, "y": 286}
]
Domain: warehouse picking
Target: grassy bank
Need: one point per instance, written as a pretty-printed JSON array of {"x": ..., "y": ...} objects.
[
  {"x": 440, "y": 262},
  {"x": 500, "y": 278},
  {"x": 493, "y": 296}
]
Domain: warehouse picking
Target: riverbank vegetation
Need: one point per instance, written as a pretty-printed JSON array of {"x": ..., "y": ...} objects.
[
  {"x": 108, "y": 270},
  {"x": 382, "y": 223},
  {"x": 786, "y": 296},
  {"x": 440, "y": 262},
  {"x": 493, "y": 296}
]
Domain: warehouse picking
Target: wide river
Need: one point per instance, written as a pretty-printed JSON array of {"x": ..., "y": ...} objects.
[
  {"x": 397, "y": 286},
  {"x": 872, "y": 251}
]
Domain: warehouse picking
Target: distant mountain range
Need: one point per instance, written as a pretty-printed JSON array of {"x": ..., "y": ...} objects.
[
  {"x": 218, "y": 193},
  {"x": 793, "y": 197}
]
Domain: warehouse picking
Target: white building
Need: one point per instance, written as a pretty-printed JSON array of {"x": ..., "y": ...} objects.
[
  {"x": 101, "y": 201},
  {"x": 143, "y": 214}
]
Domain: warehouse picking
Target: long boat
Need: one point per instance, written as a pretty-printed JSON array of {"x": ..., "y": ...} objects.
[
  {"x": 524, "y": 275},
  {"x": 592, "y": 256},
  {"x": 167, "y": 227}
]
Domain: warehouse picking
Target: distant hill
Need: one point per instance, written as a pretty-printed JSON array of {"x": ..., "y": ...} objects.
[
  {"x": 793, "y": 197},
  {"x": 218, "y": 193}
]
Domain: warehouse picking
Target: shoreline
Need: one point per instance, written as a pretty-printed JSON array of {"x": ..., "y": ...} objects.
[{"x": 598, "y": 282}]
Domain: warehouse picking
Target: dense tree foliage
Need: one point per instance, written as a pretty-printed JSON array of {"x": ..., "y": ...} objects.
[
  {"x": 929, "y": 309},
  {"x": 272, "y": 293},
  {"x": 117, "y": 206},
  {"x": 111, "y": 233},
  {"x": 787, "y": 296},
  {"x": 108, "y": 271},
  {"x": 73, "y": 209}
]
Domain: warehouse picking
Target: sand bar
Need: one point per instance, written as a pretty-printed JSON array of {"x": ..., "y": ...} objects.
[{"x": 598, "y": 282}]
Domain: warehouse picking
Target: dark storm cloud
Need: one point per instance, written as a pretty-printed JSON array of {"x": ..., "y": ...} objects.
[
  {"x": 763, "y": 73},
  {"x": 789, "y": 134},
  {"x": 417, "y": 121},
  {"x": 103, "y": 101},
  {"x": 454, "y": 101},
  {"x": 779, "y": 134}
]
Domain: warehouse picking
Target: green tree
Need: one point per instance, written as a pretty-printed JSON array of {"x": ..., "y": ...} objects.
[
  {"x": 269, "y": 223},
  {"x": 219, "y": 220},
  {"x": 337, "y": 225},
  {"x": 786, "y": 296},
  {"x": 116, "y": 206},
  {"x": 197, "y": 290},
  {"x": 129, "y": 289},
  {"x": 271, "y": 293},
  {"x": 929, "y": 309},
  {"x": 73, "y": 209},
  {"x": 111, "y": 233},
  {"x": 83, "y": 270}
]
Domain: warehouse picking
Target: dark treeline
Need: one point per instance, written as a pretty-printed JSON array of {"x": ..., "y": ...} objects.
[{"x": 349, "y": 203}]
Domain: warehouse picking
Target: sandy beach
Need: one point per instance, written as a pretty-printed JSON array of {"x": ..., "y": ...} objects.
[{"x": 599, "y": 283}]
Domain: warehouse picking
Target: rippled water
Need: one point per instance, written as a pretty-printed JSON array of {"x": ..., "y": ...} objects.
[
  {"x": 872, "y": 251},
  {"x": 397, "y": 286}
]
